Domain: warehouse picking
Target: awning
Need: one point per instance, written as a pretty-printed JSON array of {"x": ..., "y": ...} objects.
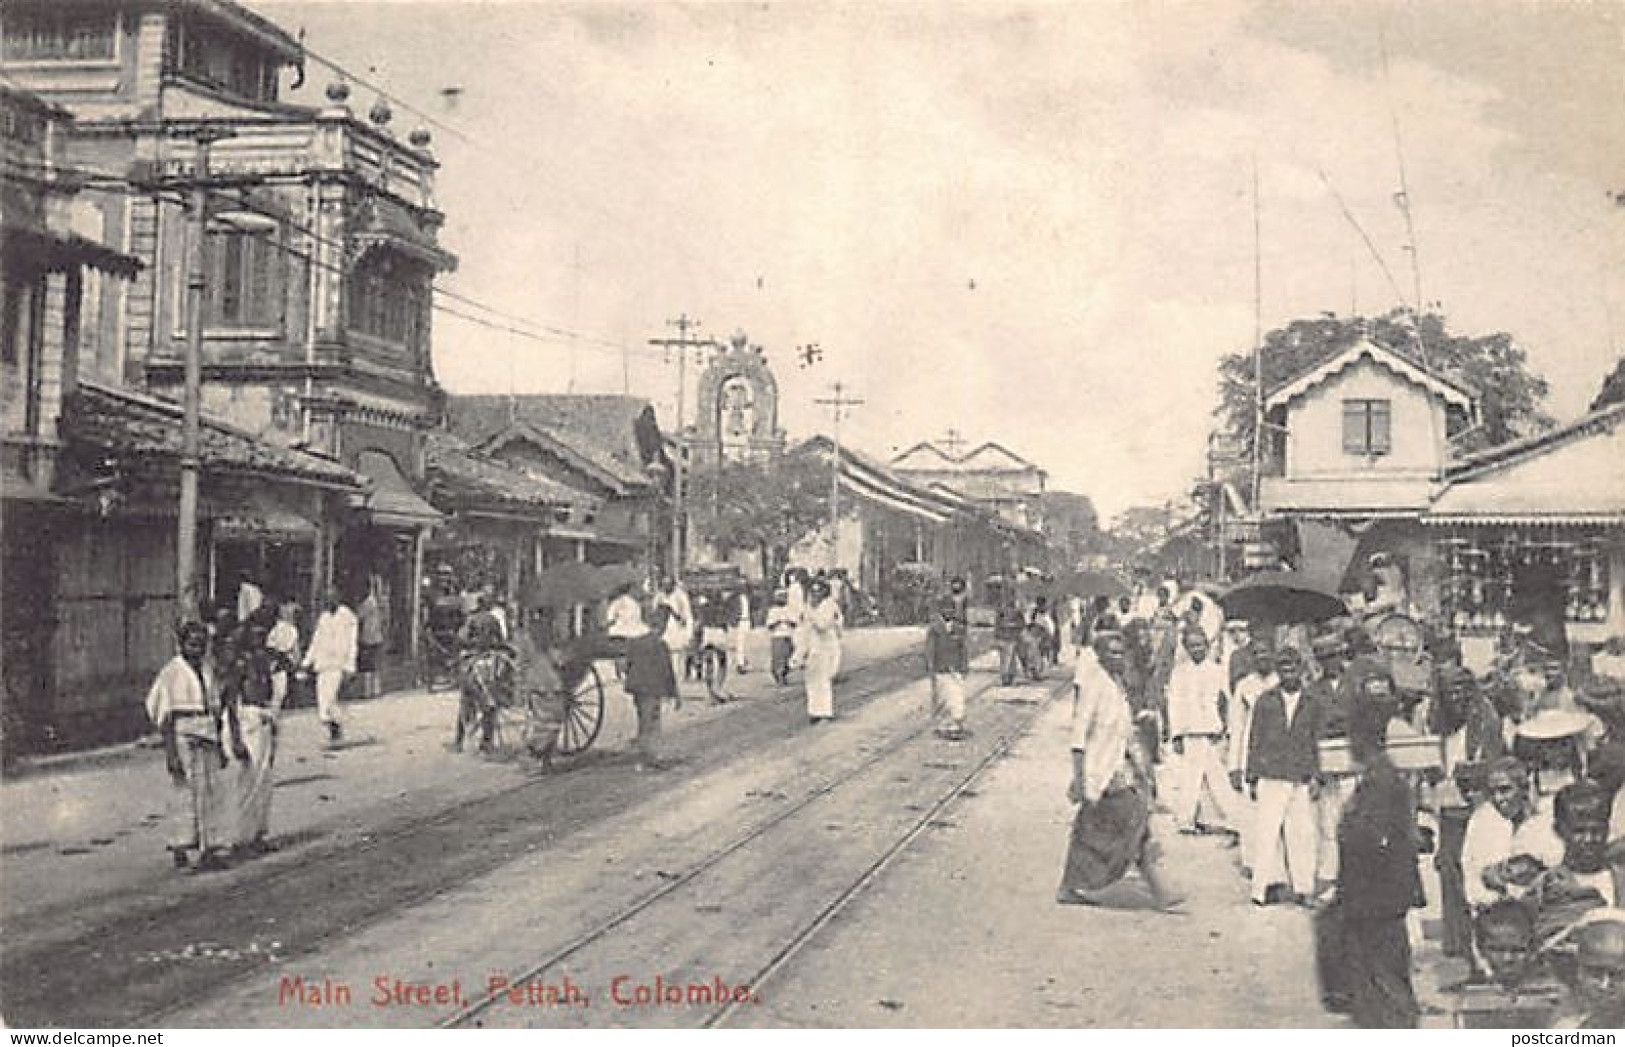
[
  {"x": 1575, "y": 482},
  {"x": 261, "y": 516},
  {"x": 389, "y": 224},
  {"x": 59, "y": 252},
  {"x": 391, "y": 500}
]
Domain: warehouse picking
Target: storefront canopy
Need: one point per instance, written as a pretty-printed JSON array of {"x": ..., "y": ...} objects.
[
  {"x": 391, "y": 501},
  {"x": 1569, "y": 476},
  {"x": 261, "y": 516}
]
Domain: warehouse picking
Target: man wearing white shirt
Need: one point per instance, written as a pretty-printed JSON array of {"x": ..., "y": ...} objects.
[
  {"x": 1197, "y": 690},
  {"x": 332, "y": 657},
  {"x": 741, "y": 631},
  {"x": 1244, "y": 694},
  {"x": 249, "y": 598},
  {"x": 1508, "y": 826}
]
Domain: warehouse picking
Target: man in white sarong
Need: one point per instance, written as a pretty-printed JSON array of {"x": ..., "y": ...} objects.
[
  {"x": 332, "y": 657},
  {"x": 1198, "y": 690},
  {"x": 823, "y": 660},
  {"x": 260, "y": 707},
  {"x": 183, "y": 706}
]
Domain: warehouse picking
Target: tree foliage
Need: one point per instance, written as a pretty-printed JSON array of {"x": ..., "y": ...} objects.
[
  {"x": 763, "y": 507},
  {"x": 1493, "y": 367},
  {"x": 1072, "y": 524}
]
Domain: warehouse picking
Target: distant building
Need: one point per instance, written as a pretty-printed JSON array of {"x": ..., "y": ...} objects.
[{"x": 991, "y": 475}]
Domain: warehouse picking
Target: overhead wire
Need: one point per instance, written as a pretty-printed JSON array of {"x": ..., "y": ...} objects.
[
  {"x": 107, "y": 181},
  {"x": 526, "y": 167}
]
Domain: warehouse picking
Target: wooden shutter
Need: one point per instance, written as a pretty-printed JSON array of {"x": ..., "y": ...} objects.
[
  {"x": 1354, "y": 427},
  {"x": 1380, "y": 430}
]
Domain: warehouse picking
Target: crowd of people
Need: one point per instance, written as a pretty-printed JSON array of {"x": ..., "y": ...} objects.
[{"x": 1282, "y": 743}]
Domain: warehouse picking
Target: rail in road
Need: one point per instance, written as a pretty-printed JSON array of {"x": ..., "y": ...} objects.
[
  {"x": 760, "y": 872},
  {"x": 114, "y": 966}
]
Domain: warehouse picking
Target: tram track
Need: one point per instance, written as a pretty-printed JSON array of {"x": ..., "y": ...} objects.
[
  {"x": 679, "y": 889},
  {"x": 106, "y": 968}
]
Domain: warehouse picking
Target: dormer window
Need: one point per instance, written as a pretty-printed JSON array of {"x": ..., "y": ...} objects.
[
  {"x": 1367, "y": 427},
  {"x": 59, "y": 33}
]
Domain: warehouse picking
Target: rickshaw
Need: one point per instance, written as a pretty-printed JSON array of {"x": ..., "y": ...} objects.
[
  {"x": 564, "y": 721},
  {"x": 711, "y": 594}
]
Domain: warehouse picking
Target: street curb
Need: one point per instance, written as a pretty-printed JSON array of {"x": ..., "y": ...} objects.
[{"x": 31, "y": 767}]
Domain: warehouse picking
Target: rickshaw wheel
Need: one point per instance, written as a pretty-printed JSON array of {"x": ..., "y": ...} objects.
[{"x": 583, "y": 714}]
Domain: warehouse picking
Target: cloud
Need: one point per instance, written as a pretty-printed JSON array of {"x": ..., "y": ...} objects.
[{"x": 845, "y": 173}]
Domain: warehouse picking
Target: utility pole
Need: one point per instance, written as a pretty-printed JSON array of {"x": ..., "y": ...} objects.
[
  {"x": 186, "y": 595},
  {"x": 682, "y": 344},
  {"x": 837, "y": 402}
]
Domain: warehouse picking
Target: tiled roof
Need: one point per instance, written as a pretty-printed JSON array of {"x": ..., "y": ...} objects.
[
  {"x": 470, "y": 479},
  {"x": 134, "y": 425},
  {"x": 600, "y": 430}
]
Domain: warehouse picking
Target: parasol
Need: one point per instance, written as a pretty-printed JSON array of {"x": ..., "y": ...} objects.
[
  {"x": 1089, "y": 584},
  {"x": 620, "y": 575},
  {"x": 566, "y": 585},
  {"x": 1280, "y": 598}
]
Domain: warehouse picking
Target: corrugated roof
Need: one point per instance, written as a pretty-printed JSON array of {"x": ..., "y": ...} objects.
[
  {"x": 1537, "y": 443},
  {"x": 1571, "y": 475},
  {"x": 133, "y": 425}
]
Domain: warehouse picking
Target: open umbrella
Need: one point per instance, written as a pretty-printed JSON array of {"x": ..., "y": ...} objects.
[
  {"x": 1089, "y": 584},
  {"x": 618, "y": 575},
  {"x": 566, "y": 585},
  {"x": 1280, "y": 598}
]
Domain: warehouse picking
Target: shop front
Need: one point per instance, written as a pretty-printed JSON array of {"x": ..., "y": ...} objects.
[
  {"x": 381, "y": 552},
  {"x": 1533, "y": 535}
]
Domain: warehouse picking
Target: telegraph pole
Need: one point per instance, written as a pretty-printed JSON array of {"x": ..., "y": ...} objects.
[
  {"x": 682, "y": 344},
  {"x": 186, "y": 595},
  {"x": 837, "y": 402}
]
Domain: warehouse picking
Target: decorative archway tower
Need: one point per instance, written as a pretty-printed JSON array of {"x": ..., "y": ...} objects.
[{"x": 738, "y": 418}]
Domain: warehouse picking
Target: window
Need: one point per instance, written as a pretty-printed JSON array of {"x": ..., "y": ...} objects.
[
  {"x": 59, "y": 34},
  {"x": 386, "y": 299},
  {"x": 1367, "y": 427},
  {"x": 246, "y": 277},
  {"x": 209, "y": 56}
]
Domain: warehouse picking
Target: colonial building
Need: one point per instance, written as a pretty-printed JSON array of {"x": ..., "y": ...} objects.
[
  {"x": 89, "y": 471},
  {"x": 320, "y": 255},
  {"x": 1356, "y": 450},
  {"x": 1527, "y": 532},
  {"x": 991, "y": 475}
]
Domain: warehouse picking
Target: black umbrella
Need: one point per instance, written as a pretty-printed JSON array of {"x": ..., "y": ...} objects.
[
  {"x": 1281, "y": 598},
  {"x": 566, "y": 585},
  {"x": 1089, "y": 584}
]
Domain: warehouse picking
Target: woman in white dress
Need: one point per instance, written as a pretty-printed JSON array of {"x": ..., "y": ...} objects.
[{"x": 823, "y": 658}]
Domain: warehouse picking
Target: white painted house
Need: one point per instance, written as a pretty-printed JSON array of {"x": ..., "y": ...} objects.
[{"x": 1364, "y": 434}]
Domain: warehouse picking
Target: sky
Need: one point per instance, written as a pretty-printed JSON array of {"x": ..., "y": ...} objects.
[{"x": 1029, "y": 223}]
